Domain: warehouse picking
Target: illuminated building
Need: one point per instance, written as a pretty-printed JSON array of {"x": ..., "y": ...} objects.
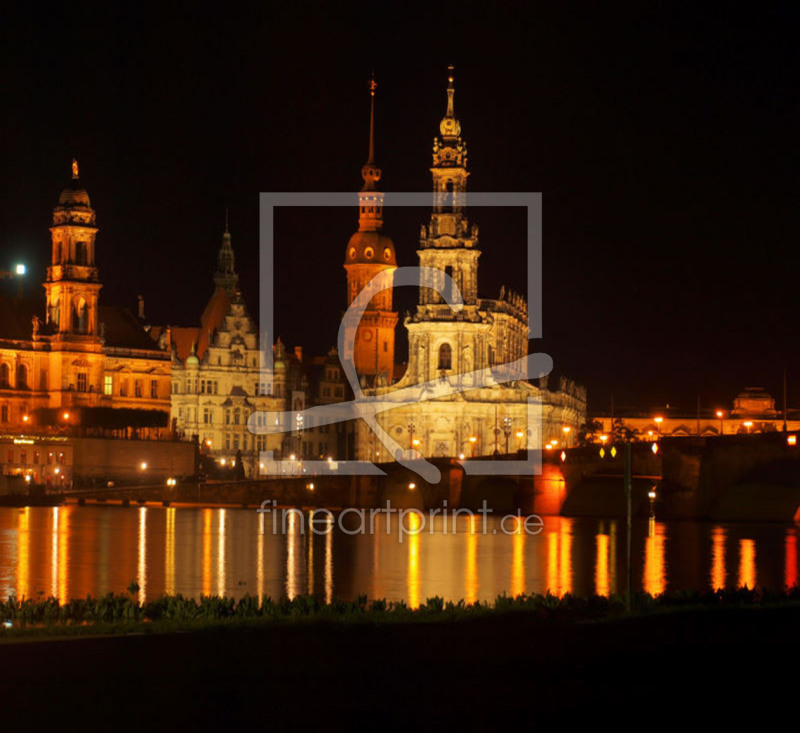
[
  {"x": 369, "y": 252},
  {"x": 485, "y": 416},
  {"x": 218, "y": 381},
  {"x": 70, "y": 362}
]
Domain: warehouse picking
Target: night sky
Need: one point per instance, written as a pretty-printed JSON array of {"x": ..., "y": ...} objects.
[{"x": 664, "y": 142}]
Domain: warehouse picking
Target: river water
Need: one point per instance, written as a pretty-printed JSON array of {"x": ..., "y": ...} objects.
[{"x": 73, "y": 551}]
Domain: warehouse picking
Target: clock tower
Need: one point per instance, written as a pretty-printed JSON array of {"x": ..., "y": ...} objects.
[{"x": 368, "y": 253}]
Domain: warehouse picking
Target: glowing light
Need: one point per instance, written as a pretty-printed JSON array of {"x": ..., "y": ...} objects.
[
  {"x": 719, "y": 414},
  {"x": 613, "y": 451},
  {"x": 461, "y": 456},
  {"x": 293, "y": 457},
  {"x": 791, "y": 440},
  {"x": 143, "y": 465},
  {"x": 747, "y": 563},
  {"x": 563, "y": 456},
  {"x": 658, "y": 420},
  {"x": 655, "y": 448},
  {"x": 473, "y": 439},
  {"x": 311, "y": 487},
  {"x": 20, "y": 269},
  {"x": 66, "y": 416},
  {"x": 603, "y": 439},
  {"x": 412, "y": 486}
]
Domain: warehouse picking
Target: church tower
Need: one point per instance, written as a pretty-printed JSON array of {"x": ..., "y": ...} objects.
[
  {"x": 225, "y": 276},
  {"x": 72, "y": 286},
  {"x": 449, "y": 243},
  {"x": 369, "y": 252}
]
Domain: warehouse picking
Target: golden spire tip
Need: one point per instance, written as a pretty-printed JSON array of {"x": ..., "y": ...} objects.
[{"x": 74, "y": 168}]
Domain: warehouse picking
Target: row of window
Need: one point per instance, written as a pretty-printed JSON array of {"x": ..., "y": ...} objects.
[{"x": 20, "y": 457}]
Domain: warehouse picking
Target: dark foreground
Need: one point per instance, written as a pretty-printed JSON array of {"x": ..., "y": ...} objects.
[{"x": 714, "y": 666}]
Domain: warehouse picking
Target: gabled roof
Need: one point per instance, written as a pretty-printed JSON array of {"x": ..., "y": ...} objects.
[{"x": 122, "y": 330}]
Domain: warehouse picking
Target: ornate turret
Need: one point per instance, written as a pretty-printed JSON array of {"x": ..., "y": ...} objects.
[
  {"x": 72, "y": 285},
  {"x": 225, "y": 277},
  {"x": 370, "y": 251},
  {"x": 449, "y": 243}
]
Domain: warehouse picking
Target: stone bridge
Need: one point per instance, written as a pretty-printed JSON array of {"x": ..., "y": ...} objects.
[{"x": 729, "y": 478}]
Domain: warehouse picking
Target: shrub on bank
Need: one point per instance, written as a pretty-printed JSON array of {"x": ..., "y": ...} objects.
[{"x": 124, "y": 611}]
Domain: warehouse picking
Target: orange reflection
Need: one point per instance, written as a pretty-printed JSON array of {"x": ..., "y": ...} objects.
[
  {"x": 654, "y": 581},
  {"x": 329, "y": 561},
  {"x": 718, "y": 558},
  {"x": 471, "y": 575},
  {"x": 207, "y": 551},
  {"x": 747, "y": 563},
  {"x": 791, "y": 558},
  {"x": 601, "y": 566},
  {"x": 291, "y": 557},
  {"x": 260, "y": 563},
  {"x": 565, "y": 556},
  {"x": 518, "y": 559},
  {"x": 63, "y": 555},
  {"x": 414, "y": 522},
  {"x": 559, "y": 559},
  {"x": 23, "y": 553},
  {"x": 221, "y": 554},
  {"x": 141, "y": 576},
  {"x": 169, "y": 553},
  {"x": 310, "y": 562},
  {"x": 54, "y": 555}
]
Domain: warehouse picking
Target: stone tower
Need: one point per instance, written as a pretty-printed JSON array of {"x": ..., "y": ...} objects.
[
  {"x": 72, "y": 286},
  {"x": 449, "y": 243},
  {"x": 370, "y": 252}
]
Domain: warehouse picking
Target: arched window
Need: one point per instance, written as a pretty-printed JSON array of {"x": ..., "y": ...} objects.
[
  {"x": 79, "y": 317},
  {"x": 448, "y": 284},
  {"x": 445, "y": 357},
  {"x": 4, "y": 376},
  {"x": 80, "y": 253},
  {"x": 54, "y": 312},
  {"x": 22, "y": 377}
]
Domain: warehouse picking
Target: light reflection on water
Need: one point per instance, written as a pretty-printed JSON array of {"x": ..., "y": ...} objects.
[{"x": 72, "y": 551}]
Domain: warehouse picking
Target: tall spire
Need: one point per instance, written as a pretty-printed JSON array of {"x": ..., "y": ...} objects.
[
  {"x": 370, "y": 172},
  {"x": 373, "y": 85},
  {"x": 225, "y": 277},
  {"x": 450, "y": 127},
  {"x": 74, "y": 169}
]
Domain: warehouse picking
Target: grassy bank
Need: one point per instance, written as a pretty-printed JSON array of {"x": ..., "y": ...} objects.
[{"x": 124, "y": 613}]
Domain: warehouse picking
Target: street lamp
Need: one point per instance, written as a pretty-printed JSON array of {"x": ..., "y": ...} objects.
[
  {"x": 658, "y": 420},
  {"x": 566, "y": 429},
  {"x": 411, "y": 429},
  {"x": 473, "y": 439},
  {"x": 748, "y": 424},
  {"x": 720, "y": 415},
  {"x": 520, "y": 435},
  {"x": 507, "y": 430}
]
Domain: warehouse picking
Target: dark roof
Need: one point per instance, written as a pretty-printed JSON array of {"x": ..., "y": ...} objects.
[
  {"x": 16, "y": 317},
  {"x": 122, "y": 330}
]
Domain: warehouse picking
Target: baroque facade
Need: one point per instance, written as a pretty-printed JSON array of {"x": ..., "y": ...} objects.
[
  {"x": 218, "y": 381},
  {"x": 62, "y": 361},
  {"x": 484, "y": 416}
]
